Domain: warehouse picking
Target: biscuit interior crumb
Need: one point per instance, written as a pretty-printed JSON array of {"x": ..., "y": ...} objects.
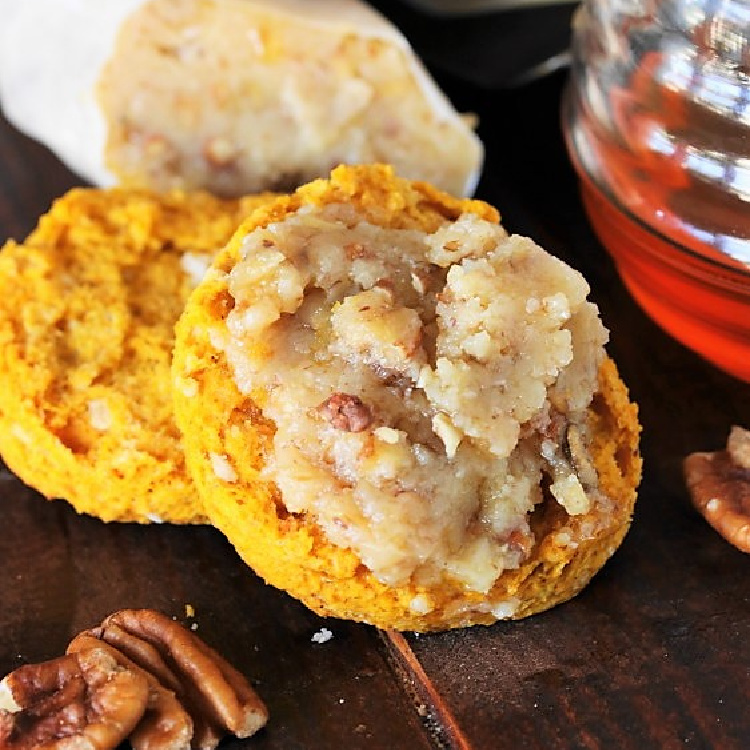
[{"x": 88, "y": 305}]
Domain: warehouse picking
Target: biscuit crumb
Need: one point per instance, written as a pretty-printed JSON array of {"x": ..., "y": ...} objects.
[
  {"x": 100, "y": 415},
  {"x": 195, "y": 266},
  {"x": 322, "y": 636},
  {"x": 421, "y": 604},
  {"x": 188, "y": 386},
  {"x": 222, "y": 468},
  {"x": 505, "y": 610}
]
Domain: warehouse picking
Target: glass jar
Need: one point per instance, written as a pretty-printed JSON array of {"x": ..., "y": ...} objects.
[{"x": 657, "y": 123}]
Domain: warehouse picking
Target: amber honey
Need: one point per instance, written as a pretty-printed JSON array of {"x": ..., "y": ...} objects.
[{"x": 657, "y": 122}]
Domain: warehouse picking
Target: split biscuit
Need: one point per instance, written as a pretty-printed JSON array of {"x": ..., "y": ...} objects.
[
  {"x": 399, "y": 413},
  {"x": 88, "y": 305}
]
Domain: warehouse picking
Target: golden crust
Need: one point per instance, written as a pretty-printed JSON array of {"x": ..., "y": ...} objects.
[
  {"x": 87, "y": 310},
  {"x": 291, "y": 552}
]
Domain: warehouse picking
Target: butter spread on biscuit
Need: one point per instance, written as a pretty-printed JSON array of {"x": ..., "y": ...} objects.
[{"x": 418, "y": 424}]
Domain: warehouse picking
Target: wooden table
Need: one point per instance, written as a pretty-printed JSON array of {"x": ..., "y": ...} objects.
[{"x": 655, "y": 653}]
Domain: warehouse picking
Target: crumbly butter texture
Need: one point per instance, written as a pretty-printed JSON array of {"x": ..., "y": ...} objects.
[
  {"x": 88, "y": 305},
  {"x": 232, "y": 96},
  {"x": 401, "y": 415}
]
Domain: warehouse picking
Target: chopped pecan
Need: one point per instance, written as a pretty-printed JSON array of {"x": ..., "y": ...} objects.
[
  {"x": 520, "y": 541},
  {"x": 85, "y": 700},
  {"x": 426, "y": 280},
  {"x": 346, "y": 412},
  {"x": 222, "y": 694},
  {"x": 578, "y": 454},
  {"x": 549, "y": 423},
  {"x": 390, "y": 378},
  {"x": 165, "y": 725},
  {"x": 719, "y": 485},
  {"x": 355, "y": 250},
  {"x": 387, "y": 285}
]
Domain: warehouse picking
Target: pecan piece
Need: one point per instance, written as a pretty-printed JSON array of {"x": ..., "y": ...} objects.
[
  {"x": 85, "y": 699},
  {"x": 719, "y": 485},
  {"x": 207, "y": 730},
  {"x": 165, "y": 725},
  {"x": 346, "y": 412},
  {"x": 578, "y": 453},
  {"x": 355, "y": 250},
  {"x": 216, "y": 689},
  {"x": 139, "y": 652}
]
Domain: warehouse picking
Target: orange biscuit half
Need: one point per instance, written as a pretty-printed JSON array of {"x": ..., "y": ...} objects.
[
  {"x": 380, "y": 471},
  {"x": 88, "y": 305}
]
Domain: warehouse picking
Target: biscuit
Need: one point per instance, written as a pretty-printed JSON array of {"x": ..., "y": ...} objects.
[
  {"x": 400, "y": 414},
  {"x": 88, "y": 305},
  {"x": 231, "y": 96}
]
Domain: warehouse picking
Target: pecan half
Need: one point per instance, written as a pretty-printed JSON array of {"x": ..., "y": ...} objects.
[
  {"x": 346, "y": 412},
  {"x": 140, "y": 652},
  {"x": 217, "y": 690},
  {"x": 85, "y": 700},
  {"x": 165, "y": 725},
  {"x": 139, "y": 675},
  {"x": 207, "y": 732},
  {"x": 719, "y": 485}
]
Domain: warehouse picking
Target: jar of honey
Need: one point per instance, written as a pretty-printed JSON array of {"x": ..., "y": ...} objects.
[{"x": 657, "y": 122}]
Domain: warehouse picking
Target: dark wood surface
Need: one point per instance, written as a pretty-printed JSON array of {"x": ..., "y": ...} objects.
[{"x": 655, "y": 653}]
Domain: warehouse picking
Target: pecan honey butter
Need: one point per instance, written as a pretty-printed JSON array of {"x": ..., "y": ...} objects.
[
  {"x": 230, "y": 96},
  {"x": 401, "y": 414}
]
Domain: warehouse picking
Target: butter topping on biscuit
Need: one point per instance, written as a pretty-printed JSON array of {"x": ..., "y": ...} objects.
[{"x": 424, "y": 429}]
